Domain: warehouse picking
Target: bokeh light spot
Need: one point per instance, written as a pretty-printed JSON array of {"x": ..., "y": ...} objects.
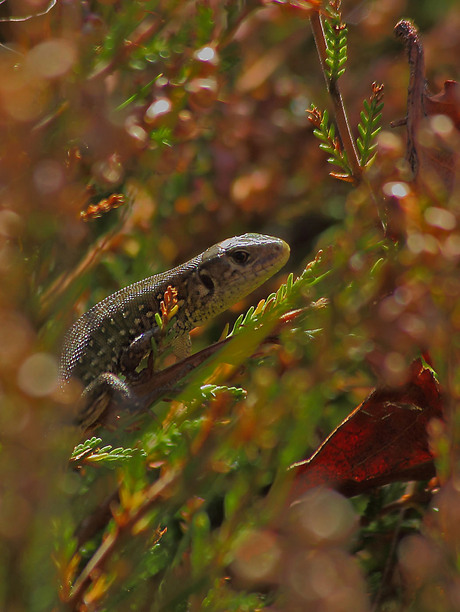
[
  {"x": 38, "y": 375},
  {"x": 442, "y": 125},
  {"x": 323, "y": 515},
  {"x": 48, "y": 176},
  {"x": 51, "y": 58},
  {"x": 257, "y": 555},
  {"x": 396, "y": 189},
  {"x": 158, "y": 108},
  {"x": 440, "y": 217},
  {"x": 206, "y": 54}
]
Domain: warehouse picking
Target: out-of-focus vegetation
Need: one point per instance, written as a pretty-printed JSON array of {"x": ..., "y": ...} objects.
[{"x": 136, "y": 134}]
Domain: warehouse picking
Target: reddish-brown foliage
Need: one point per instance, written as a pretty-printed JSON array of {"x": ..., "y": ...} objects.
[{"x": 384, "y": 440}]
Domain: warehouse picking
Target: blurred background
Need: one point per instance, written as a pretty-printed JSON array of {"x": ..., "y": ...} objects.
[{"x": 133, "y": 136}]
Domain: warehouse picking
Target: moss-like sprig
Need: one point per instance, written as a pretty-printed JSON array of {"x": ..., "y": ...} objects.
[
  {"x": 336, "y": 34},
  {"x": 325, "y": 132},
  {"x": 370, "y": 125},
  {"x": 90, "y": 453}
]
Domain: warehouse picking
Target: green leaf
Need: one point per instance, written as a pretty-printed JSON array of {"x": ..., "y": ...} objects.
[
  {"x": 107, "y": 454},
  {"x": 336, "y": 45},
  {"x": 369, "y": 127}
]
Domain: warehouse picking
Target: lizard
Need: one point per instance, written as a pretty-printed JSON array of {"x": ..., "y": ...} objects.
[{"x": 106, "y": 345}]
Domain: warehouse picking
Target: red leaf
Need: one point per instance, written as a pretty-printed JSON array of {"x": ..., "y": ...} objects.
[{"x": 383, "y": 440}]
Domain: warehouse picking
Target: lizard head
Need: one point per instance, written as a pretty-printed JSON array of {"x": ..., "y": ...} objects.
[{"x": 230, "y": 270}]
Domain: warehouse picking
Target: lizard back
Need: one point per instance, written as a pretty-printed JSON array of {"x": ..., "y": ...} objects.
[{"x": 94, "y": 343}]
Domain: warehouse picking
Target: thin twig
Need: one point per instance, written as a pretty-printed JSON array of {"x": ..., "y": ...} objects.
[
  {"x": 96, "y": 521},
  {"x": 407, "y": 32},
  {"x": 336, "y": 97},
  {"x": 101, "y": 557}
]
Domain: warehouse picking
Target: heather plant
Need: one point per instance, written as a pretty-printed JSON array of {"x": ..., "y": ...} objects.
[{"x": 135, "y": 135}]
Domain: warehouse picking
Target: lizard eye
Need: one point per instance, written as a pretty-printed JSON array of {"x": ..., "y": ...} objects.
[
  {"x": 207, "y": 280},
  {"x": 240, "y": 257}
]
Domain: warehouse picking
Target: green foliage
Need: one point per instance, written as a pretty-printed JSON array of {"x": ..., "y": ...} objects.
[
  {"x": 162, "y": 137},
  {"x": 90, "y": 452},
  {"x": 336, "y": 34},
  {"x": 212, "y": 391},
  {"x": 204, "y": 23},
  {"x": 185, "y": 508},
  {"x": 274, "y": 299},
  {"x": 325, "y": 133},
  {"x": 370, "y": 126}
]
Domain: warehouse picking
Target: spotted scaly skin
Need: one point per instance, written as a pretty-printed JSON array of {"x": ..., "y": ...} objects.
[{"x": 112, "y": 338}]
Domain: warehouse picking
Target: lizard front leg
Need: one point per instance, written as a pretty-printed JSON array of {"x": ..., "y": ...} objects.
[
  {"x": 108, "y": 389},
  {"x": 141, "y": 347}
]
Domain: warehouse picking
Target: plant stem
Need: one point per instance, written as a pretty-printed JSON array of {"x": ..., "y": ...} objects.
[
  {"x": 336, "y": 97},
  {"x": 100, "y": 558},
  {"x": 407, "y": 32}
]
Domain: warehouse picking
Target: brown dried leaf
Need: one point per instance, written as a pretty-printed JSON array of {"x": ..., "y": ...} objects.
[{"x": 383, "y": 440}]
